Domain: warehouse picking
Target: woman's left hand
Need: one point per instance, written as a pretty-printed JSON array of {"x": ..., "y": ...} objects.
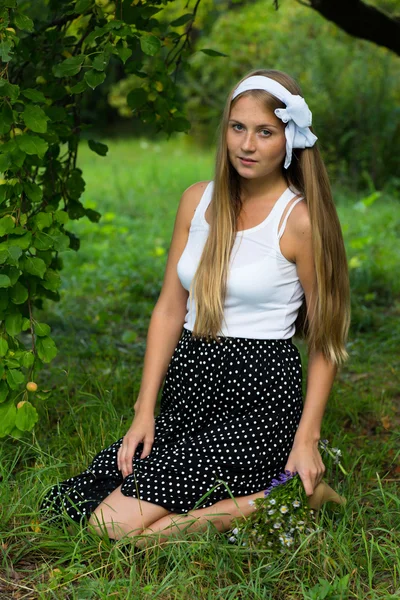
[{"x": 306, "y": 460}]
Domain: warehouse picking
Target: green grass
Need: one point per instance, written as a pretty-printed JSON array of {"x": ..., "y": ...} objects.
[{"x": 109, "y": 289}]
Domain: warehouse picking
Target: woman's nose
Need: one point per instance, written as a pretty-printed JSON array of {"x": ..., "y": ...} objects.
[{"x": 248, "y": 142}]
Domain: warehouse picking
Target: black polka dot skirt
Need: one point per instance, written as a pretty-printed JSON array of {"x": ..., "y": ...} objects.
[{"x": 229, "y": 411}]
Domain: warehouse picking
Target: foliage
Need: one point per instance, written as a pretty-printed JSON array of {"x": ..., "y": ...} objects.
[
  {"x": 351, "y": 86},
  {"x": 52, "y": 53}
]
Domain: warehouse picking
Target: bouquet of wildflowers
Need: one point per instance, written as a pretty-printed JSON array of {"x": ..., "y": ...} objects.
[{"x": 282, "y": 518}]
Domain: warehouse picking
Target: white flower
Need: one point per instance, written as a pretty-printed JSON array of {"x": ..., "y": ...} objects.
[
  {"x": 251, "y": 502},
  {"x": 244, "y": 543},
  {"x": 272, "y": 501},
  {"x": 232, "y": 538},
  {"x": 277, "y": 525},
  {"x": 271, "y": 511},
  {"x": 269, "y": 543},
  {"x": 288, "y": 541},
  {"x": 235, "y": 531},
  {"x": 296, "y": 504},
  {"x": 300, "y": 523},
  {"x": 284, "y": 509}
]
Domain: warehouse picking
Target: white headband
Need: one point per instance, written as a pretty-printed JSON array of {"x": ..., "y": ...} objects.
[{"x": 297, "y": 115}]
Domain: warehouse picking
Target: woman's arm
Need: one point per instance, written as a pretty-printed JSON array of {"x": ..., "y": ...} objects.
[
  {"x": 305, "y": 458},
  {"x": 164, "y": 331},
  {"x": 169, "y": 312}
]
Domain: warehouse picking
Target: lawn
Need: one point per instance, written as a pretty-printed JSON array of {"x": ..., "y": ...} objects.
[{"x": 109, "y": 289}]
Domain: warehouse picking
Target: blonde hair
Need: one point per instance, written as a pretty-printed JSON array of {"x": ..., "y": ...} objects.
[{"x": 326, "y": 329}]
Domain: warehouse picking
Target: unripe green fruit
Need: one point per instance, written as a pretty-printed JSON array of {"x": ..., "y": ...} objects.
[
  {"x": 110, "y": 8},
  {"x": 15, "y": 131},
  {"x": 31, "y": 386},
  {"x": 40, "y": 80},
  {"x": 110, "y": 17},
  {"x": 102, "y": 3},
  {"x": 21, "y": 403},
  {"x": 11, "y": 29}
]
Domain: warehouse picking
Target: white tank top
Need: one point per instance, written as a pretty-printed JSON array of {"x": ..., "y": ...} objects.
[{"x": 264, "y": 293}]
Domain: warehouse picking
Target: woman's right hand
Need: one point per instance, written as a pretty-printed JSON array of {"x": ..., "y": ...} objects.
[{"x": 141, "y": 430}]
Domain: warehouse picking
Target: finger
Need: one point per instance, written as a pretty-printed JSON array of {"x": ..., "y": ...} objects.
[
  {"x": 146, "y": 449},
  {"x": 308, "y": 485},
  {"x": 128, "y": 457}
]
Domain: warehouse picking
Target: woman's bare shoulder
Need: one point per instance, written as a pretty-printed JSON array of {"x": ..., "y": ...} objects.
[{"x": 191, "y": 198}]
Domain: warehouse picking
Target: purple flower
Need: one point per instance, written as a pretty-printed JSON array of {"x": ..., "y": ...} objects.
[{"x": 282, "y": 478}]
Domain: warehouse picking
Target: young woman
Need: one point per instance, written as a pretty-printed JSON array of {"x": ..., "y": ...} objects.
[{"x": 256, "y": 256}]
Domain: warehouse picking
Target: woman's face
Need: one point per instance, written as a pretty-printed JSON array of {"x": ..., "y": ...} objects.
[{"x": 256, "y": 139}]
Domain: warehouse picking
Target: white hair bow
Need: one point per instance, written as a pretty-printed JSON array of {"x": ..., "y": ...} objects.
[{"x": 297, "y": 115}]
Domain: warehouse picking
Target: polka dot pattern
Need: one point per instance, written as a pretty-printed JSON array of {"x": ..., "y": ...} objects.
[{"x": 229, "y": 412}]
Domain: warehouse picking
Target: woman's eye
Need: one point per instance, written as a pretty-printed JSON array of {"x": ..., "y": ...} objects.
[
  {"x": 265, "y": 132},
  {"x": 237, "y": 125}
]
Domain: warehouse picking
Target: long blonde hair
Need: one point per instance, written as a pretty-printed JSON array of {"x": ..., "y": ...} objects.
[{"x": 327, "y": 327}]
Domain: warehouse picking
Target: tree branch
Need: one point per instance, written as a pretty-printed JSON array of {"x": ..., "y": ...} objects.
[{"x": 361, "y": 20}]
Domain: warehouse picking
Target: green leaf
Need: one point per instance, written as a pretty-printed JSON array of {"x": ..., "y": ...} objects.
[
  {"x": 52, "y": 280},
  {"x": 124, "y": 53},
  {"x": 137, "y": 98},
  {"x": 28, "y": 359},
  {"x": 26, "y": 324},
  {"x": 19, "y": 293},
  {"x": 43, "y": 219},
  {"x": 75, "y": 185},
  {"x": 23, "y": 241},
  {"x": 98, "y": 147},
  {"x": 150, "y": 44},
  {"x": 42, "y": 241},
  {"x": 9, "y": 90},
  {"x": 101, "y": 61},
  {"x": 6, "y": 225},
  {"x": 70, "y": 66},
  {"x": 182, "y": 20},
  {"x": 60, "y": 241},
  {"x": 93, "y": 215},
  {"x": 15, "y": 378},
  {"x": 8, "y": 412},
  {"x": 33, "y": 191},
  {"x": 13, "y": 254},
  {"x": 210, "y": 52},
  {"x": 34, "y": 95},
  {"x": 181, "y": 124},
  {"x": 5, "y": 50},
  {"x": 94, "y": 78},
  {"x": 42, "y": 329},
  {"x": 6, "y": 119},
  {"x": 46, "y": 349},
  {"x": 32, "y": 144},
  {"x": 61, "y": 216},
  {"x": 4, "y": 391},
  {"x": 5, "y": 162},
  {"x": 5, "y": 281},
  {"x": 81, "y": 6},
  {"x": 80, "y": 87},
  {"x": 93, "y": 35},
  {"x": 34, "y": 266},
  {"x": 13, "y": 273},
  {"x": 35, "y": 118},
  {"x": 26, "y": 417},
  {"x": 3, "y": 346},
  {"x": 13, "y": 324},
  {"x": 23, "y": 21}
]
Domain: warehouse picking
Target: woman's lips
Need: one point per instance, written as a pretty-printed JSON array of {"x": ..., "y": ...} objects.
[{"x": 247, "y": 161}]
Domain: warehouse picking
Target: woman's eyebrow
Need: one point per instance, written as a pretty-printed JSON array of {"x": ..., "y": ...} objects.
[{"x": 257, "y": 126}]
